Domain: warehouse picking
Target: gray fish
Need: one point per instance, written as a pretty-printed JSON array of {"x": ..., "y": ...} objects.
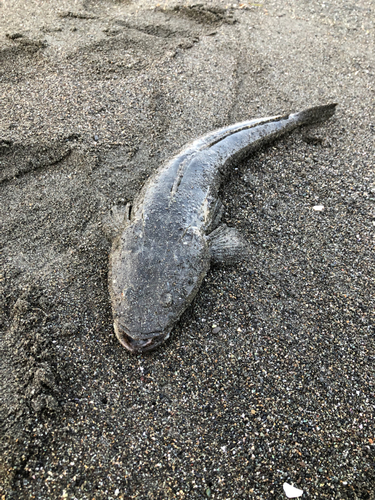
[{"x": 168, "y": 241}]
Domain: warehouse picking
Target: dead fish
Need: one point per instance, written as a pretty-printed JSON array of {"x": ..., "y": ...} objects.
[{"x": 167, "y": 243}]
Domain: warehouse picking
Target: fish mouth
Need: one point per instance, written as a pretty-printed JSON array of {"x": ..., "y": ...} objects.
[{"x": 137, "y": 346}]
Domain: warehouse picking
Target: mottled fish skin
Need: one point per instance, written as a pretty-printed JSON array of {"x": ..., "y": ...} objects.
[{"x": 158, "y": 262}]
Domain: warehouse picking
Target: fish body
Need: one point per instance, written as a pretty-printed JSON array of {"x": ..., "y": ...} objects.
[{"x": 164, "y": 250}]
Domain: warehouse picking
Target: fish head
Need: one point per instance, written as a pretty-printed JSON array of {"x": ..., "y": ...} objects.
[{"x": 154, "y": 275}]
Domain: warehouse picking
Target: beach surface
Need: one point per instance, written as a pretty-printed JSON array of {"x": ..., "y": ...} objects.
[{"x": 268, "y": 378}]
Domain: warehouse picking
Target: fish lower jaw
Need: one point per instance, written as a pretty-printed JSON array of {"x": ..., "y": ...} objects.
[{"x": 136, "y": 346}]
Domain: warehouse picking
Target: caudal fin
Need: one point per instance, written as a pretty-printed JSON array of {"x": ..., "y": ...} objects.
[{"x": 315, "y": 115}]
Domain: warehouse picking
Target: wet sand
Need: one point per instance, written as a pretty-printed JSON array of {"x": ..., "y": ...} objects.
[{"x": 269, "y": 376}]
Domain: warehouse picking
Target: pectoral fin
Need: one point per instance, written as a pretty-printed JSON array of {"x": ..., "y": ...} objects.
[
  {"x": 227, "y": 245},
  {"x": 116, "y": 220}
]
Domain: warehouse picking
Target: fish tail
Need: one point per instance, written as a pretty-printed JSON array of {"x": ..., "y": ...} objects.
[{"x": 314, "y": 115}]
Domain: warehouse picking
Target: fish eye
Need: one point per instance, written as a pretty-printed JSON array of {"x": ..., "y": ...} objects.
[
  {"x": 167, "y": 300},
  {"x": 129, "y": 295}
]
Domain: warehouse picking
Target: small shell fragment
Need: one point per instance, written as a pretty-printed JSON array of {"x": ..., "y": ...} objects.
[
  {"x": 318, "y": 208},
  {"x": 291, "y": 491}
]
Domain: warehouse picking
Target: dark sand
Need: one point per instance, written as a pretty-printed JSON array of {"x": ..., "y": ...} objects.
[{"x": 269, "y": 376}]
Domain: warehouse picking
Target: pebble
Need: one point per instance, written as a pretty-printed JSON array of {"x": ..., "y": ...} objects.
[{"x": 292, "y": 492}]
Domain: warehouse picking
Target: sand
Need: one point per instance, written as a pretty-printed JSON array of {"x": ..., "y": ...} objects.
[{"x": 269, "y": 376}]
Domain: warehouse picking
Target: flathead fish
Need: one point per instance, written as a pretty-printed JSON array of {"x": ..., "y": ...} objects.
[{"x": 173, "y": 233}]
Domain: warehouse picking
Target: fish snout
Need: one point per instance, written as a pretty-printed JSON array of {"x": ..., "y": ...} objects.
[{"x": 137, "y": 346}]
